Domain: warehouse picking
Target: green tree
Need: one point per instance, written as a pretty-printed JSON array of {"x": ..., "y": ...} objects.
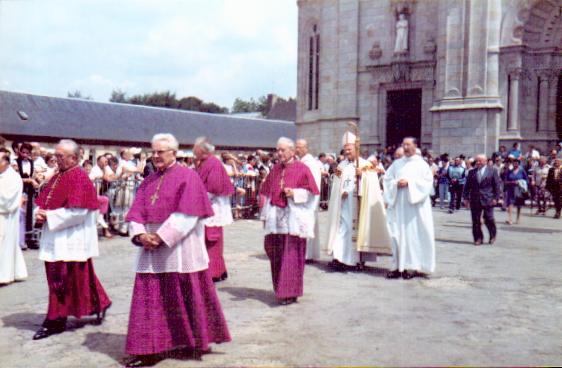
[
  {"x": 77, "y": 94},
  {"x": 167, "y": 99},
  {"x": 118, "y": 96}
]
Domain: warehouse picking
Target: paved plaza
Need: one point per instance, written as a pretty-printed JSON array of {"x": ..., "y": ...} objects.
[{"x": 488, "y": 305}]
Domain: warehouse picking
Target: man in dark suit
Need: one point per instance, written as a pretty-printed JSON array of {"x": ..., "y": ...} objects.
[
  {"x": 554, "y": 185},
  {"x": 481, "y": 194},
  {"x": 26, "y": 171}
]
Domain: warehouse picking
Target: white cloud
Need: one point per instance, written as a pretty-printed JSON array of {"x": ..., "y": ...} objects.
[{"x": 217, "y": 50}]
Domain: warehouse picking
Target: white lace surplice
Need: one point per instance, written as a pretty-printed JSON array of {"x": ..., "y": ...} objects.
[
  {"x": 184, "y": 250},
  {"x": 70, "y": 234},
  {"x": 295, "y": 219},
  {"x": 221, "y": 209}
]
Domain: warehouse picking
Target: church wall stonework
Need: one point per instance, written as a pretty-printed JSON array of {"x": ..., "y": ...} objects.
[{"x": 488, "y": 71}]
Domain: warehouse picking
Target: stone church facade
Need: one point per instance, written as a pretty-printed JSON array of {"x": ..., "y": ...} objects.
[{"x": 463, "y": 76}]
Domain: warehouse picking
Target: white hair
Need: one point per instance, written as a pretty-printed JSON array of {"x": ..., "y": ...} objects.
[
  {"x": 204, "y": 143},
  {"x": 168, "y": 138},
  {"x": 72, "y": 144},
  {"x": 481, "y": 155},
  {"x": 288, "y": 141}
]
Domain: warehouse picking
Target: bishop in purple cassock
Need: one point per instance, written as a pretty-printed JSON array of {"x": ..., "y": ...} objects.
[
  {"x": 175, "y": 304},
  {"x": 219, "y": 189},
  {"x": 288, "y": 215}
]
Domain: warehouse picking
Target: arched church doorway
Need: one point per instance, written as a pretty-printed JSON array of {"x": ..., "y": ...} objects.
[{"x": 403, "y": 115}]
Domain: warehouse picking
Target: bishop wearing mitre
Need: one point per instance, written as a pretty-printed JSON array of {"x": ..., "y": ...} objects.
[{"x": 356, "y": 237}]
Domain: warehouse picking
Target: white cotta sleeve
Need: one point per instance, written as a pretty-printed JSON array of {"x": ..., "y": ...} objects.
[
  {"x": 300, "y": 195},
  {"x": 266, "y": 208},
  {"x": 63, "y": 218},
  {"x": 136, "y": 229},
  {"x": 390, "y": 186},
  {"x": 176, "y": 228},
  {"x": 420, "y": 188}
]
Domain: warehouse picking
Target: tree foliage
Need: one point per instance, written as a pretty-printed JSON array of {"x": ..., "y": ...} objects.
[
  {"x": 260, "y": 105},
  {"x": 169, "y": 100},
  {"x": 77, "y": 94}
]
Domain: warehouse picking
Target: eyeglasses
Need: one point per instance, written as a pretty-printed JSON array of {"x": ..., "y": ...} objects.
[{"x": 160, "y": 152}]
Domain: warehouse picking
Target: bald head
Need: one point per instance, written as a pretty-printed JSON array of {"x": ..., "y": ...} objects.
[
  {"x": 301, "y": 148},
  {"x": 67, "y": 153},
  {"x": 398, "y": 153},
  {"x": 480, "y": 160}
]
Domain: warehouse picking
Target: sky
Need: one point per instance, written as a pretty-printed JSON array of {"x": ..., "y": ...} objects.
[{"x": 216, "y": 50}]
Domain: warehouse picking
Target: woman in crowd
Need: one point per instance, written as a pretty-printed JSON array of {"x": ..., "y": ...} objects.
[{"x": 516, "y": 189}]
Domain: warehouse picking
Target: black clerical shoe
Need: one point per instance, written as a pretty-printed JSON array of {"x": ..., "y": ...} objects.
[
  {"x": 143, "y": 361},
  {"x": 394, "y": 274},
  {"x": 288, "y": 301},
  {"x": 222, "y": 277},
  {"x": 492, "y": 240},
  {"x": 100, "y": 316},
  {"x": 309, "y": 261},
  {"x": 408, "y": 275},
  {"x": 45, "y": 332}
]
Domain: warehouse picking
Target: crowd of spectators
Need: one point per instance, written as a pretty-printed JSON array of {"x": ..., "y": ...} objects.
[{"x": 532, "y": 177}]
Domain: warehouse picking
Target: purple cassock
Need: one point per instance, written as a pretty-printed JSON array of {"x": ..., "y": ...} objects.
[
  {"x": 174, "y": 304},
  {"x": 288, "y": 223},
  {"x": 219, "y": 188}
]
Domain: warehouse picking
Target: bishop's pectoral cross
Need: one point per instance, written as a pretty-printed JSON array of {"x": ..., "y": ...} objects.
[
  {"x": 347, "y": 181},
  {"x": 154, "y": 197}
]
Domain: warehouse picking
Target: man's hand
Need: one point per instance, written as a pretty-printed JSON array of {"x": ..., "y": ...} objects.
[
  {"x": 344, "y": 195},
  {"x": 40, "y": 216},
  {"x": 467, "y": 203},
  {"x": 150, "y": 241},
  {"x": 494, "y": 202},
  {"x": 358, "y": 172},
  {"x": 402, "y": 183},
  {"x": 288, "y": 192}
]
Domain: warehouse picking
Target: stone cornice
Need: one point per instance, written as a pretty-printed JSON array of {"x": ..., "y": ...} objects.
[{"x": 477, "y": 103}]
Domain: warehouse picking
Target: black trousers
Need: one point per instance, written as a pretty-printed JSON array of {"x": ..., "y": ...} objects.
[
  {"x": 557, "y": 199},
  {"x": 456, "y": 196},
  {"x": 29, "y": 214},
  {"x": 476, "y": 210}
]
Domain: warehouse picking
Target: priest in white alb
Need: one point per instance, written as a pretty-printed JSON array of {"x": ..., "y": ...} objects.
[
  {"x": 12, "y": 264},
  {"x": 407, "y": 187},
  {"x": 312, "y": 244},
  {"x": 354, "y": 239}
]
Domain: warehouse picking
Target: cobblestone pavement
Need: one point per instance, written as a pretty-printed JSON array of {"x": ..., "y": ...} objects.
[{"x": 488, "y": 305}]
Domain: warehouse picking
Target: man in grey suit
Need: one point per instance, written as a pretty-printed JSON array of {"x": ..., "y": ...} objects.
[{"x": 481, "y": 194}]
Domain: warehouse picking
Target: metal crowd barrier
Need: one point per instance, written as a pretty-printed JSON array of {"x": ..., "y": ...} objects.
[
  {"x": 121, "y": 194},
  {"x": 245, "y": 201}
]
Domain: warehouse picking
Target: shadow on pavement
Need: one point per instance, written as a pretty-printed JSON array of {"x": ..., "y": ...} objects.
[
  {"x": 263, "y": 257},
  {"x": 24, "y": 321},
  {"x": 463, "y": 242},
  {"x": 110, "y": 344},
  {"x": 523, "y": 229},
  {"x": 267, "y": 297}
]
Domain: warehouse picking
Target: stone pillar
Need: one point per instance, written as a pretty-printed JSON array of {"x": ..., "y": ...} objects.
[
  {"x": 543, "y": 93},
  {"x": 513, "y": 123}
]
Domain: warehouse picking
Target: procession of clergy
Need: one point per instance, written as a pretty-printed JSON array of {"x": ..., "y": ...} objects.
[{"x": 177, "y": 221}]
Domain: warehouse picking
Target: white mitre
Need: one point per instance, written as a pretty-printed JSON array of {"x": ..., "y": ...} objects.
[{"x": 348, "y": 138}]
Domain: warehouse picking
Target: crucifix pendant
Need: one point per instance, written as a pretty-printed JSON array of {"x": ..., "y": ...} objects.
[{"x": 153, "y": 198}]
